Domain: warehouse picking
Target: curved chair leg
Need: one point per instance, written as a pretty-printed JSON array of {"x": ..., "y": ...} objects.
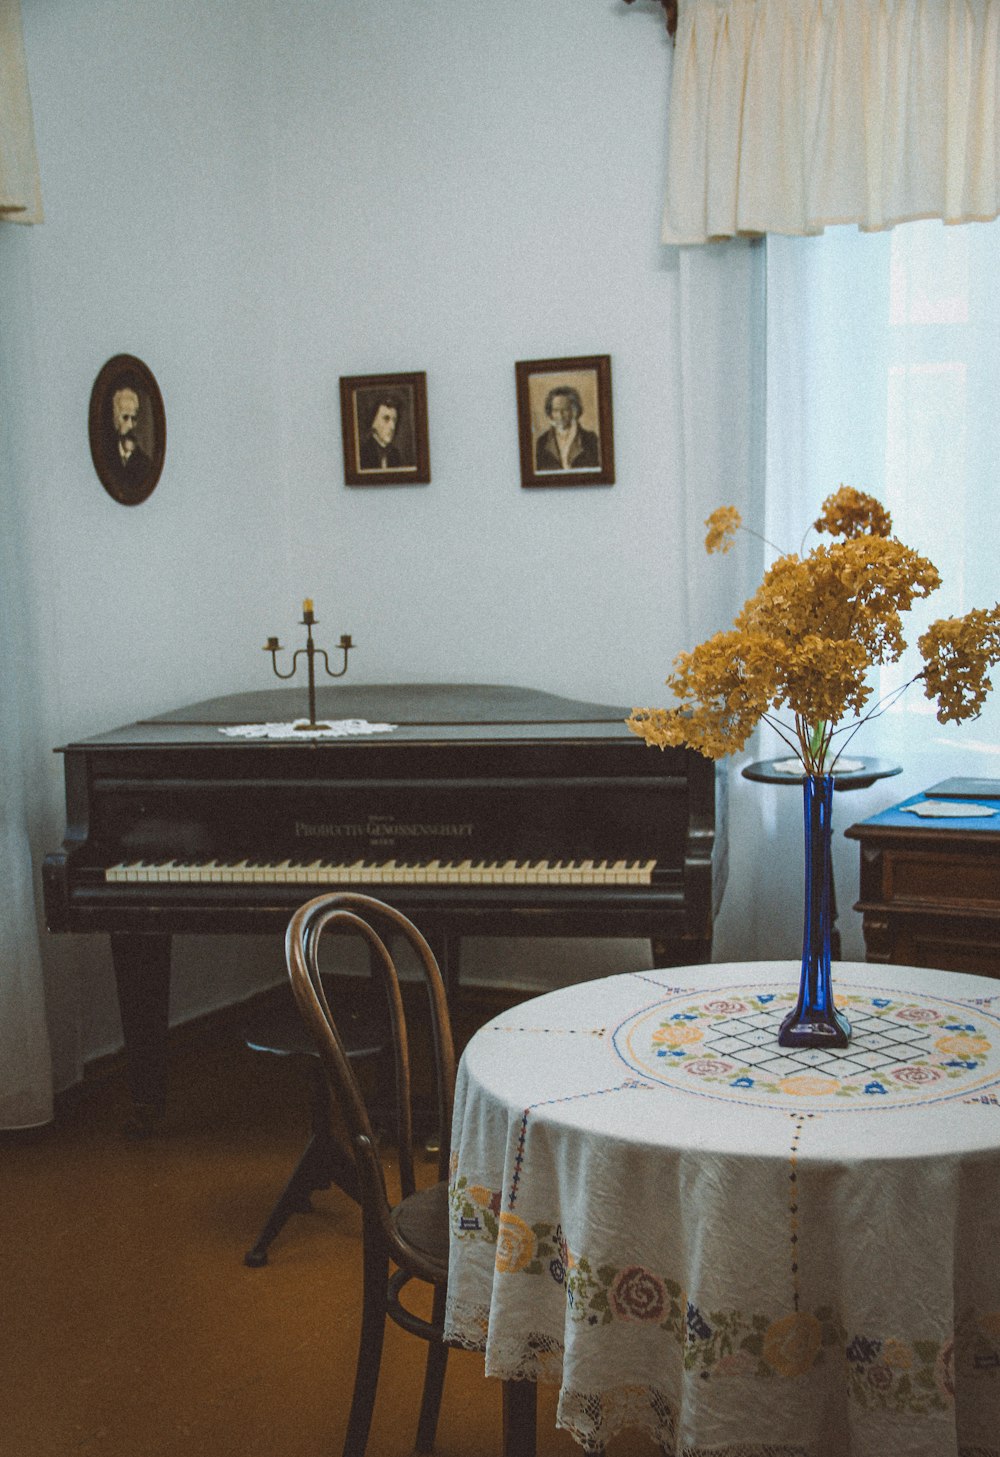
[
  {"x": 376, "y": 1276},
  {"x": 437, "y": 1360}
]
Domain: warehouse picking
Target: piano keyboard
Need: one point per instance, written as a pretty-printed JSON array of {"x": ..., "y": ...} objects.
[{"x": 388, "y": 872}]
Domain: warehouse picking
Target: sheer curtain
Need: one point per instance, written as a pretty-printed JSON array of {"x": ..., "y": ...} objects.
[
  {"x": 882, "y": 351},
  {"x": 883, "y": 372},
  {"x": 25, "y": 1063},
  {"x": 719, "y": 352},
  {"x": 881, "y": 357}
]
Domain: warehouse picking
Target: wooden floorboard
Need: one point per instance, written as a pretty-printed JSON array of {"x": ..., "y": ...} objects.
[{"x": 129, "y": 1325}]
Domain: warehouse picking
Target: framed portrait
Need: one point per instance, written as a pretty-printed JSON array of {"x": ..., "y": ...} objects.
[
  {"x": 384, "y": 419},
  {"x": 565, "y": 428},
  {"x": 128, "y": 429}
]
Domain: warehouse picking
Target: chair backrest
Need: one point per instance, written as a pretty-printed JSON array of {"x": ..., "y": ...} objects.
[{"x": 376, "y": 923}]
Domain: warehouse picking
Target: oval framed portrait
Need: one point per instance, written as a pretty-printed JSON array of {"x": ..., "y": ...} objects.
[{"x": 128, "y": 429}]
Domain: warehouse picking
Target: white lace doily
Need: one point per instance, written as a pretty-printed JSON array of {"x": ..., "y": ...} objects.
[
  {"x": 796, "y": 766},
  {"x": 340, "y": 728}
]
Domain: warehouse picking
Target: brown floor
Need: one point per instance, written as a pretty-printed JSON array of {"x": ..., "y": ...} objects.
[{"x": 129, "y": 1325}]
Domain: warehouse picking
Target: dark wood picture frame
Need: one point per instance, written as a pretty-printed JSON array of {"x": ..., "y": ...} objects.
[
  {"x": 583, "y": 385},
  {"x": 141, "y": 423},
  {"x": 398, "y": 453}
]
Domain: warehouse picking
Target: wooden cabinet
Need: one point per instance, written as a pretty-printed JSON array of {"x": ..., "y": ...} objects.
[{"x": 930, "y": 888}]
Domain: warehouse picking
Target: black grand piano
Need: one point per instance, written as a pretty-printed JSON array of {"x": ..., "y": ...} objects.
[{"x": 482, "y": 811}]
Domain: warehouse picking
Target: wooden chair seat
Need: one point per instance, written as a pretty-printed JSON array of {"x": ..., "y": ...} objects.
[
  {"x": 422, "y": 1223},
  {"x": 281, "y": 1032}
]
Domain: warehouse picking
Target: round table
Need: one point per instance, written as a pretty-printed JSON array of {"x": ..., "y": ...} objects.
[
  {"x": 735, "y": 1246},
  {"x": 849, "y": 774}
]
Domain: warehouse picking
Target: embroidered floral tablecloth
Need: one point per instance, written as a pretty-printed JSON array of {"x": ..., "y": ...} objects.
[{"x": 748, "y": 1251}]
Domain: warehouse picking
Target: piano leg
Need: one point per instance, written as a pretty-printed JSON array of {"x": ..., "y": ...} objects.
[
  {"x": 446, "y": 953},
  {"x": 667, "y": 950},
  {"x": 446, "y": 950},
  {"x": 142, "y": 972}
]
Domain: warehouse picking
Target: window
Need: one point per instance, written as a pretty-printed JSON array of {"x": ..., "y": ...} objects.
[{"x": 883, "y": 372}]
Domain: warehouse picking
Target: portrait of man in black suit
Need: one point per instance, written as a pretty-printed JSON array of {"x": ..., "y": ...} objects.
[
  {"x": 377, "y": 448},
  {"x": 129, "y": 463},
  {"x": 127, "y": 430},
  {"x": 564, "y": 424},
  {"x": 384, "y": 421},
  {"x": 566, "y": 444}
]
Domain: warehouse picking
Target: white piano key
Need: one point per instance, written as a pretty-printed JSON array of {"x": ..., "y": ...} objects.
[{"x": 247, "y": 871}]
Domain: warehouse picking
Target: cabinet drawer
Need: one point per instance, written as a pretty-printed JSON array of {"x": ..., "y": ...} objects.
[{"x": 961, "y": 881}]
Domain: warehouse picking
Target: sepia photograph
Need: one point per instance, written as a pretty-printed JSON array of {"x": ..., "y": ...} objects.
[
  {"x": 384, "y": 420},
  {"x": 128, "y": 429},
  {"x": 564, "y": 421}
]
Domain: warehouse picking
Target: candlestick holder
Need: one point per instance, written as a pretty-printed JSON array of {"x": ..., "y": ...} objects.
[{"x": 312, "y": 652}]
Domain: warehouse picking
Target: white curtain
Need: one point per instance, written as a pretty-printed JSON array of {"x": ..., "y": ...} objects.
[
  {"x": 719, "y": 348},
  {"x": 882, "y": 362},
  {"x": 25, "y": 1064},
  {"x": 721, "y": 373},
  {"x": 883, "y": 373},
  {"x": 787, "y": 116},
  {"x": 20, "y": 190}
]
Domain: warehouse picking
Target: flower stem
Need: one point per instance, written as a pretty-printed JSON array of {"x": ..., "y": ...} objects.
[{"x": 750, "y": 532}]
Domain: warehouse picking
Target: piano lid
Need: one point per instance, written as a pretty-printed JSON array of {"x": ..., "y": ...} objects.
[
  {"x": 426, "y": 704},
  {"x": 421, "y": 712}
]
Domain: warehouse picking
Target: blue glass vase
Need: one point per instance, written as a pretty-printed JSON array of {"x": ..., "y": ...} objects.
[{"x": 814, "y": 1020}]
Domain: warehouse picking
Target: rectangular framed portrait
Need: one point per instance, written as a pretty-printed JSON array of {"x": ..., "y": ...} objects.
[
  {"x": 384, "y": 420},
  {"x": 565, "y": 429}
]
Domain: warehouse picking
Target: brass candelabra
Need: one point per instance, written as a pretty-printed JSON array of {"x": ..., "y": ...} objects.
[{"x": 312, "y": 652}]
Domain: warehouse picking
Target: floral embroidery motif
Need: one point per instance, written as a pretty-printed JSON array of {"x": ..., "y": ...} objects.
[
  {"x": 475, "y": 1209},
  {"x": 904, "y": 1052},
  {"x": 801, "y": 1085},
  {"x": 916, "y": 1073},
  {"x": 963, "y": 1045},
  {"x": 886, "y": 1372},
  {"x": 515, "y": 1243},
  {"x": 792, "y": 1343},
  {"x": 925, "y": 1016},
  {"x": 676, "y": 1034},
  {"x": 709, "y": 1067},
  {"x": 638, "y": 1294}
]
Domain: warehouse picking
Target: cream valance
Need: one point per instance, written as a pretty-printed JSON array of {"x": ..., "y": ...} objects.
[
  {"x": 20, "y": 191},
  {"x": 789, "y": 115}
]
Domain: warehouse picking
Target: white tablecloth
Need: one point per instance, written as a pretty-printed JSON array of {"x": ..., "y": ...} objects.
[{"x": 744, "y": 1250}]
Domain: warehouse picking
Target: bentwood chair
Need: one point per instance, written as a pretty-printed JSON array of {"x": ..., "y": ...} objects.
[{"x": 411, "y": 1232}]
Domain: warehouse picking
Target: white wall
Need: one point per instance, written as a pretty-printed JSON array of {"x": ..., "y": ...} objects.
[{"x": 256, "y": 200}]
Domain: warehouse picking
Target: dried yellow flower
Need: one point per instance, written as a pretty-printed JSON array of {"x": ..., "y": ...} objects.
[
  {"x": 852, "y": 589},
  {"x": 808, "y": 637},
  {"x": 850, "y": 513},
  {"x": 957, "y": 652},
  {"x": 723, "y": 688},
  {"x": 723, "y": 525}
]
